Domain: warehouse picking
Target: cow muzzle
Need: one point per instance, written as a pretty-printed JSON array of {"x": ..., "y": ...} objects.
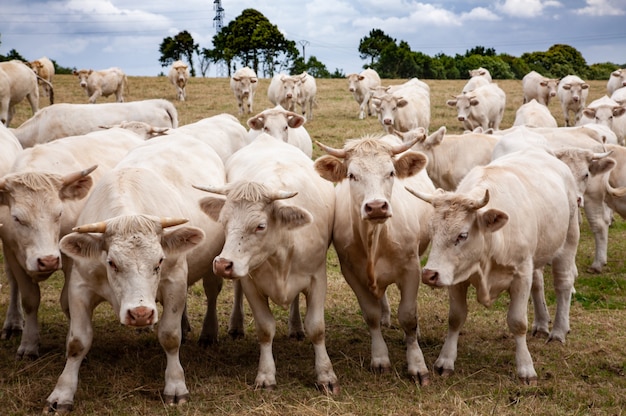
[
  {"x": 431, "y": 277},
  {"x": 140, "y": 316},
  {"x": 48, "y": 264},
  {"x": 223, "y": 267},
  {"x": 377, "y": 210}
]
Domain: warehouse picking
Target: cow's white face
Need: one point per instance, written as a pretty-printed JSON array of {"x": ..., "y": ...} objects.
[
  {"x": 353, "y": 82},
  {"x": 290, "y": 88},
  {"x": 604, "y": 115},
  {"x": 387, "y": 108},
  {"x": 83, "y": 76},
  {"x": 463, "y": 104}
]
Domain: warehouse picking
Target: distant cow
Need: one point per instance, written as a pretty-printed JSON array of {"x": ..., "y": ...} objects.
[
  {"x": 284, "y": 90},
  {"x": 484, "y": 238},
  {"x": 244, "y": 83},
  {"x": 542, "y": 89},
  {"x": 619, "y": 96},
  {"x": 609, "y": 113},
  {"x": 483, "y": 107},
  {"x": 17, "y": 81},
  {"x": 360, "y": 85},
  {"x": 572, "y": 93},
  {"x": 405, "y": 107},
  {"x": 617, "y": 79},
  {"x": 284, "y": 125},
  {"x": 44, "y": 69},
  {"x": 533, "y": 114},
  {"x": 307, "y": 93},
  {"x": 103, "y": 83},
  {"x": 178, "y": 76},
  {"x": 379, "y": 234},
  {"x": 478, "y": 78},
  {"x": 63, "y": 120}
]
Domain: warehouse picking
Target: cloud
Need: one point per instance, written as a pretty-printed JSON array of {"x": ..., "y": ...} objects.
[
  {"x": 603, "y": 8},
  {"x": 526, "y": 8}
]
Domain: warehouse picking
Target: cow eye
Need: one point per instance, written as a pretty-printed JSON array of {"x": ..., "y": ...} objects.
[
  {"x": 157, "y": 269},
  {"x": 261, "y": 227},
  {"x": 351, "y": 176},
  {"x": 112, "y": 265},
  {"x": 392, "y": 174},
  {"x": 17, "y": 220},
  {"x": 461, "y": 237}
]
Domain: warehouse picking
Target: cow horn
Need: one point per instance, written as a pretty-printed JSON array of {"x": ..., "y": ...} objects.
[
  {"x": 282, "y": 195},
  {"x": 423, "y": 196},
  {"x": 170, "y": 222},
  {"x": 404, "y": 146},
  {"x": 96, "y": 227},
  {"x": 597, "y": 156},
  {"x": 74, "y": 176},
  {"x": 220, "y": 190},
  {"x": 332, "y": 151},
  {"x": 478, "y": 204}
]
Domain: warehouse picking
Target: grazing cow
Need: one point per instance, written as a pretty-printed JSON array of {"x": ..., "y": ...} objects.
[
  {"x": 284, "y": 90},
  {"x": 478, "y": 78},
  {"x": 179, "y": 75},
  {"x": 572, "y": 93},
  {"x": 103, "y": 83},
  {"x": 278, "y": 219},
  {"x": 360, "y": 85},
  {"x": 43, "y": 195},
  {"x": 244, "y": 83},
  {"x": 451, "y": 156},
  {"x": 606, "y": 112},
  {"x": 44, "y": 69},
  {"x": 17, "y": 81},
  {"x": 404, "y": 108},
  {"x": 307, "y": 90},
  {"x": 616, "y": 80},
  {"x": 283, "y": 125},
  {"x": 536, "y": 86},
  {"x": 123, "y": 254},
  {"x": 380, "y": 231},
  {"x": 533, "y": 114},
  {"x": 484, "y": 238},
  {"x": 63, "y": 120},
  {"x": 483, "y": 107}
]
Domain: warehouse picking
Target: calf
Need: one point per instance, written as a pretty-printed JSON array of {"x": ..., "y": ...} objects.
[
  {"x": 244, "y": 83},
  {"x": 178, "y": 76},
  {"x": 284, "y": 90},
  {"x": 103, "y": 83},
  {"x": 572, "y": 93},
  {"x": 361, "y": 85}
]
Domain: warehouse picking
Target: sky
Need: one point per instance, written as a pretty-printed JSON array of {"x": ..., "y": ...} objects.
[{"x": 98, "y": 34}]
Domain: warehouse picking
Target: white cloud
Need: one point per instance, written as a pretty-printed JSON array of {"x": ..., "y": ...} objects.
[
  {"x": 603, "y": 8},
  {"x": 526, "y": 8},
  {"x": 480, "y": 13}
]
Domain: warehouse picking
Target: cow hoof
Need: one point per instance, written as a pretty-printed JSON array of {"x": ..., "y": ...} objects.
[
  {"x": 206, "y": 341},
  {"x": 30, "y": 356},
  {"x": 268, "y": 387},
  {"x": 58, "y": 409},
  {"x": 236, "y": 334},
  {"x": 540, "y": 333},
  {"x": 8, "y": 333},
  {"x": 422, "y": 379},
  {"x": 298, "y": 335},
  {"x": 328, "y": 388},
  {"x": 444, "y": 372},
  {"x": 529, "y": 381},
  {"x": 381, "y": 369},
  {"x": 594, "y": 270},
  {"x": 172, "y": 400}
]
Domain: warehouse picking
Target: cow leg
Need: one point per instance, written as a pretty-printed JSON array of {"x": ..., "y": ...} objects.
[
  {"x": 517, "y": 319},
  {"x": 250, "y": 98},
  {"x": 385, "y": 310},
  {"x": 541, "y": 315},
  {"x": 14, "y": 320},
  {"x": 235, "y": 325},
  {"x": 407, "y": 316},
  {"x": 457, "y": 314},
  {"x": 599, "y": 218},
  {"x": 212, "y": 287},
  {"x": 33, "y": 100},
  {"x": 95, "y": 96},
  {"x": 295, "y": 321}
]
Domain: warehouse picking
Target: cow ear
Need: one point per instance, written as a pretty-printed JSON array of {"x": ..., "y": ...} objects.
[
  {"x": 493, "y": 219},
  {"x": 451, "y": 103},
  {"x": 76, "y": 190},
  {"x": 474, "y": 101},
  {"x": 410, "y": 163},
  {"x": 256, "y": 123},
  {"x": 181, "y": 239},
  {"x": 291, "y": 216},
  {"x": 295, "y": 120},
  {"x": 589, "y": 112},
  {"x": 600, "y": 166},
  {"x": 212, "y": 206},
  {"x": 82, "y": 245},
  {"x": 618, "y": 111},
  {"x": 584, "y": 86},
  {"x": 402, "y": 102},
  {"x": 331, "y": 168},
  {"x": 567, "y": 87},
  {"x": 437, "y": 137}
]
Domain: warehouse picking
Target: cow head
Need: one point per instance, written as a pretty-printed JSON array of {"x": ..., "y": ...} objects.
[
  {"x": 135, "y": 250},
  {"x": 276, "y": 122},
  {"x": 83, "y": 76},
  {"x": 256, "y": 221},
  {"x": 604, "y": 114},
  {"x": 386, "y": 106}
]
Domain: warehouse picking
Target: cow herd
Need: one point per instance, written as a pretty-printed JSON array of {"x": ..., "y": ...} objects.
[{"x": 134, "y": 209}]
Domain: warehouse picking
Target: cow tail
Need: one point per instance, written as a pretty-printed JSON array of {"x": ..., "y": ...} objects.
[
  {"x": 373, "y": 237},
  {"x": 51, "y": 94},
  {"x": 126, "y": 85}
]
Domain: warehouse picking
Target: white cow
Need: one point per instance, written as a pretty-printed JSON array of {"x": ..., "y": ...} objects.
[
  {"x": 542, "y": 89},
  {"x": 103, "y": 83},
  {"x": 533, "y": 114},
  {"x": 44, "y": 69},
  {"x": 619, "y": 96},
  {"x": 17, "y": 81},
  {"x": 284, "y": 90},
  {"x": 481, "y": 236},
  {"x": 283, "y": 125},
  {"x": 483, "y": 107},
  {"x": 616, "y": 80},
  {"x": 307, "y": 91},
  {"x": 607, "y": 112},
  {"x": 244, "y": 83},
  {"x": 360, "y": 85},
  {"x": 278, "y": 217},
  {"x": 616, "y": 189},
  {"x": 43, "y": 194},
  {"x": 62, "y": 120},
  {"x": 179, "y": 76},
  {"x": 572, "y": 93},
  {"x": 482, "y": 72},
  {"x": 405, "y": 107},
  {"x": 478, "y": 78},
  {"x": 379, "y": 234},
  {"x": 123, "y": 254}
]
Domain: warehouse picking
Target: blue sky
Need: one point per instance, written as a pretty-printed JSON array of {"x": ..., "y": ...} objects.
[{"x": 98, "y": 34}]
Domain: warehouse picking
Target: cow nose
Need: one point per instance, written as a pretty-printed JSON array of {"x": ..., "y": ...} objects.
[
  {"x": 552, "y": 94},
  {"x": 351, "y": 89},
  {"x": 223, "y": 267},
  {"x": 376, "y": 209},
  {"x": 430, "y": 277},
  {"x": 140, "y": 316},
  {"x": 289, "y": 95},
  {"x": 387, "y": 122},
  {"x": 575, "y": 98},
  {"x": 461, "y": 118},
  {"x": 48, "y": 263}
]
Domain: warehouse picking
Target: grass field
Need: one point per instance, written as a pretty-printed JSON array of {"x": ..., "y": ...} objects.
[{"x": 124, "y": 371}]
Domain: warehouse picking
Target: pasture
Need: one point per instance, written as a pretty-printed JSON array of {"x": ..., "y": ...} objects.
[{"x": 123, "y": 372}]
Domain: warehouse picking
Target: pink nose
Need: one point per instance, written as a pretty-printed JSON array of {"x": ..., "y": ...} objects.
[
  {"x": 430, "y": 277},
  {"x": 223, "y": 267},
  {"x": 48, "y": 263},
  {"x": 377, "y": 209},
  {"x": 140, "y": 316}
]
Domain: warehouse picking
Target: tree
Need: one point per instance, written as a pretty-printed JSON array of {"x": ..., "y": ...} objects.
[
  {"x": 558, "y": 61},
  {"x": 174, "y": 49},
  {"x": 373, "y": 45},
  {"x": 480, "y": 50},
  {"x": 13, "y": 54},
  {"x": 313, "y": 67}
]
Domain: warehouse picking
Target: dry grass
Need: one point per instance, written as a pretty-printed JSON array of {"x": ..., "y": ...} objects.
[{"x": 123, "y": 374}]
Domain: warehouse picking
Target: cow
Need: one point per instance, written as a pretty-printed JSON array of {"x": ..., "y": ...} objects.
[
  {"x": 284, "y": 90},
  {"x": 360, "y": 85},
  {"x": 379, "y": 233},
  {"x": 404, "y": 108},
  {"x": 484, "y": 238},
  {"x": 617, "y": 79},
  {"x": 63, "y": 120},
  {"x": 483, "y": 107},
  {"x": 451, "y": 156},
  {"x": 609, "y": 113},
  {"x": 482, "y": 72},
  {"x": 17, "y": 81},
  {"x": 307, "y": 92},
  {"x": 278, "y": 219},
  {"x": 42, "y": 196},
  {"x": 619, "y": 96},
  {"x": 178, "y": 76},
  {"x": 124, "y": 255},
  {"x": 572, "y": 92},
  {"x": 616, "y": 187},
  {"x": 244, "y": 83},
  {"x": 533, "y": 114},
  {"x": 283, "y": 125},
  {"x": 104, "y": 82},
  {"x": 478, "y": 78},
  {"x": 44, "y": 69},
  {"x": 542, "y": 89}
]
